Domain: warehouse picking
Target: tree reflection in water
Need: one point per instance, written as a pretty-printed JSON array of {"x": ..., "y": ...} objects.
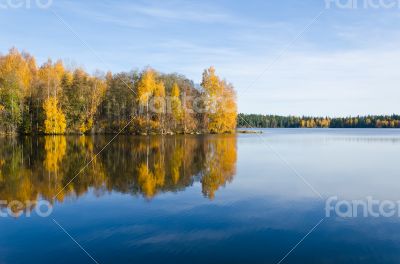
[{"x": 33, "y": 168}]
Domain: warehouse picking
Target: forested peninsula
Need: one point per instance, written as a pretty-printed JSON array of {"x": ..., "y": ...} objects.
[{"x": 51, "y": 99}]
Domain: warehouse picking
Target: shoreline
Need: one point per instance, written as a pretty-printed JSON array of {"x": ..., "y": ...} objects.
[{"x": 238, "y": 131}]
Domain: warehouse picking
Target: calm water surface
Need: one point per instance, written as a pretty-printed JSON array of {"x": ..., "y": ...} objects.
[{"x": 200, "y": 199}]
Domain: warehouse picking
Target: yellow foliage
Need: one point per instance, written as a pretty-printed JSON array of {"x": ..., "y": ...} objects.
[
  {"x": 146, "y": 86},
  {"x": 176, "y": 164},
  {"x": 55, "y": 120},
  {"x": 14, "y": 67},
  {"x": 176, "y": 104},
  {"x": 159, "y": 174},
  {"x": 220, "y": 165},
  {"x": 159, "y": 97},
  {"x": 86, "y": 126},
  {"x": 146, "y": 180},
  {"x": 220, "y": 103},
  {"x": 55, "y": 147},
  {"x": 50, "y": 76}
]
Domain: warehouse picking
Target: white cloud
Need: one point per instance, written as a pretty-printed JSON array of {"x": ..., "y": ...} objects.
[{"x": 179, "y": 12}]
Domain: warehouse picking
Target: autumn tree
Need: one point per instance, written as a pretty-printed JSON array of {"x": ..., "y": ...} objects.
[
  {"x": 158, "y": 105},
  {"x": 55, "y": 119},
  {"x": 16, "y": 75},
  {"x": 220, "y": 102},
  {"x": 176, "y": 106},
  {"x": 150, "y": 88},
  {"x": 82, "y": 95},
  {"x": 119, "y": 105},
  {"x": 49, "y": 78}
]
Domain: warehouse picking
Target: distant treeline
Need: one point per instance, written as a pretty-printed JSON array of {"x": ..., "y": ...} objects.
[
  {"x": 51, "y": 99},
  {"x": 274, "y": 121}
]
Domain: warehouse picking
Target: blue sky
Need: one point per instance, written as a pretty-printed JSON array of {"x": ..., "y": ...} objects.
[{"x": 283, "y": 56}]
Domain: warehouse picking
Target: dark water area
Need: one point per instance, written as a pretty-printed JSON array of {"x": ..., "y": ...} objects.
[{"x": 246, "y": 198}]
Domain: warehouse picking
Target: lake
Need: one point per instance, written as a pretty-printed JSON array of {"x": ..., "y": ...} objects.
[{"x": 246, "y": 198}]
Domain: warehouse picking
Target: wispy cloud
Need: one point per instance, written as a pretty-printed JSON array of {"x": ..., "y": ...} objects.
[
  {"x": 137, "y": 15},
  {"x": 194, "y": 13}
]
